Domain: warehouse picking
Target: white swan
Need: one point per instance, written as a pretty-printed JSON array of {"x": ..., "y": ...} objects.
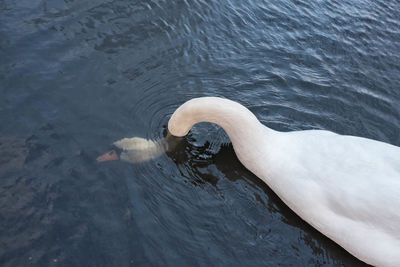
[{"x": 346, "y": 187}]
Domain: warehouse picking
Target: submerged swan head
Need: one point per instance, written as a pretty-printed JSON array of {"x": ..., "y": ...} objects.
[{"x": 134, "y": 150}]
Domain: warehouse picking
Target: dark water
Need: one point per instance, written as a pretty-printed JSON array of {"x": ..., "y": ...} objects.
[{"x": 77, "y": 75}]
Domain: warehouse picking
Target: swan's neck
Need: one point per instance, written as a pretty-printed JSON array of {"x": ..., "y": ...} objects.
[{"x": 243, "y": 128}]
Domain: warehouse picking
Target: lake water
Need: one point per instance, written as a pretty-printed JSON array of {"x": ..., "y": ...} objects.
[{"x": 76, "y": 76}]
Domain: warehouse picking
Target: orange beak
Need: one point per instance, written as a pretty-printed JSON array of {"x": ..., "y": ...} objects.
[{"x": 110, "y": 155}]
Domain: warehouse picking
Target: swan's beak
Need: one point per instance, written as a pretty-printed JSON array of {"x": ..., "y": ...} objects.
[{"x": 110, "y": 155}]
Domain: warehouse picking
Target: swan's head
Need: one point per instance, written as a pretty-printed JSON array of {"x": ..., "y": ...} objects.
[{"x": 133, "y": 150}]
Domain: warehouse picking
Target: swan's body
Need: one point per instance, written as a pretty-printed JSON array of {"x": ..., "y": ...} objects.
[{"x": 346, "y": 187}]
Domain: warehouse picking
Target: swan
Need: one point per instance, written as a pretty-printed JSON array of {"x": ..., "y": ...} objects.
[{"x": 346, "y": 187}]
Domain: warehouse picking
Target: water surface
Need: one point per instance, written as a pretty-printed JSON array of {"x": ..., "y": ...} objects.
[{"x": 77, "y": 75}]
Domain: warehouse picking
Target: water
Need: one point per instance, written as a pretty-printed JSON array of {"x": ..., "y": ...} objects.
[{"x": 77, "y": 75}]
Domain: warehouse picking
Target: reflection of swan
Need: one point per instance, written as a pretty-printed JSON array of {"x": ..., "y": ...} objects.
[{"x": 346, "y": 187}]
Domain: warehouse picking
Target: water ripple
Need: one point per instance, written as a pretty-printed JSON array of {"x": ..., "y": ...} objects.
[{"x": 77, "y": 76}]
